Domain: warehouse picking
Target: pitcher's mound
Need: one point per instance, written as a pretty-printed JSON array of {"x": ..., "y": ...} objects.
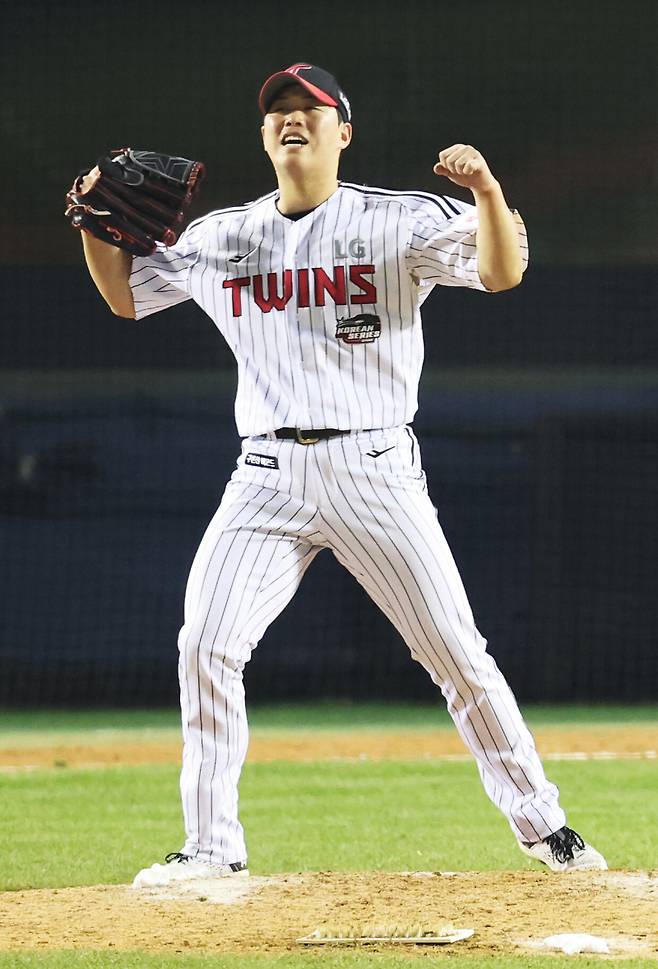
[{"x": 508, "y": 910}]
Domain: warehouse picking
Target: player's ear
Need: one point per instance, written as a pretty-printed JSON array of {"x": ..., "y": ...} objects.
[{"x": 345, "y": 134}]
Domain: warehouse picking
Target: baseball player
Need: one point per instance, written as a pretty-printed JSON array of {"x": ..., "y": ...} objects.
[{"x": 317, "y": 288}]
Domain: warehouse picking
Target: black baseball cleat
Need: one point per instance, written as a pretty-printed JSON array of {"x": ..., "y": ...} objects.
[
  {"x": 564, "y": 850},
  {"x": 179, "y": 868}
]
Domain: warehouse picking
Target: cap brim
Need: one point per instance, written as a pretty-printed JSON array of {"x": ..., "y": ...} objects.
[{"x": 278, "y": 81}]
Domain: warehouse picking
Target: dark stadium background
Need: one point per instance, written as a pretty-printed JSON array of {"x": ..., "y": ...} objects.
[{"x": 539, "y": 407}]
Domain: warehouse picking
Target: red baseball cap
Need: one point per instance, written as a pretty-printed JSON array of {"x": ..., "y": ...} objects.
[{"x": 321, "y": 84}]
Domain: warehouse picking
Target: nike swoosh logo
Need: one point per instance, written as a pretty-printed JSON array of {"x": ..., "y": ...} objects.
[
  {"x": 244, "y": 256},
  {"x": 375, "y": 454}
]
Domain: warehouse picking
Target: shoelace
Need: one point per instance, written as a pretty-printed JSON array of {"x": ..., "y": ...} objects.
[{"x": 563, "y": 842}]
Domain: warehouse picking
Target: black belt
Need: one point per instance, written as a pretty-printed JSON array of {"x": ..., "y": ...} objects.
[{"x": 308, "y": 435}]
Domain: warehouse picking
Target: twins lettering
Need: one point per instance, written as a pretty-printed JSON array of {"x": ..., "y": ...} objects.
[{"x": 313, "y": 286}]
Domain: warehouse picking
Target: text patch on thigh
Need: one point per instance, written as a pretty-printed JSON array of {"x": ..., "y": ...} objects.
[{"x": 262, "y": 460}]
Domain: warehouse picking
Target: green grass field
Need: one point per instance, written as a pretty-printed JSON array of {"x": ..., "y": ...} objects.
[
  {"x": 387, "y": 816},
  {"x": 319, "y": 960},
  {"x": 70, "y": 827},
  {"x": 83, "y": 725}
]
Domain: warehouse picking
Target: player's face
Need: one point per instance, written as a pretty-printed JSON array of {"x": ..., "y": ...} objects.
[{"x": 300, "y": 134}]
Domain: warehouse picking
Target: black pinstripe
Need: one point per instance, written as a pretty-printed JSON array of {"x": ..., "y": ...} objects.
[
  {"x": 445, "y": 205},
  {"x": 456, "y": 667},
  {"x": 262, "y": 545},
  {"x": 199, "y": 684},
  {"x": 223, "y": 670},
  {"x": 206, "y": 817},
  {"x": 465, "y": 663}
]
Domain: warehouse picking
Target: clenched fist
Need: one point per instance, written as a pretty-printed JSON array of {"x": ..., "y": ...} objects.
[{"x": 465, "y": 166}]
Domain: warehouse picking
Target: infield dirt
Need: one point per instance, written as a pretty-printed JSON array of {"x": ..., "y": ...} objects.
[{"x": 633, "y": 740}]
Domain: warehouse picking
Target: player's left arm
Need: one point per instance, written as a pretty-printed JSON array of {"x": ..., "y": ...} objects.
[{"x": 499, "y": 259}]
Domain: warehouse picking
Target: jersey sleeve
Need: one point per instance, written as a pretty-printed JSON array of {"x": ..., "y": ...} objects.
[
  {"x": 162, "y": 279},
  {"x": 442, "y": 247}
]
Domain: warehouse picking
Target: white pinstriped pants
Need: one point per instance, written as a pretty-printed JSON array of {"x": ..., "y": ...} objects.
[{"x": 375, "y": 515}]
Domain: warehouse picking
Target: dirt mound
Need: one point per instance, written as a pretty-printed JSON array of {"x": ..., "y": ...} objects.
[{"x": 507, "y": 910}]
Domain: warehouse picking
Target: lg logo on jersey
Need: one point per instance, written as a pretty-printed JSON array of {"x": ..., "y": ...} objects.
[
  {"x": 356, "y": 248},
  {"x": 313, "y": 286}
]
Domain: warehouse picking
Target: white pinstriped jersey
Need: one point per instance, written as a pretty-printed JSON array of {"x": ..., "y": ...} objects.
[{"x": 322, "y": 312}]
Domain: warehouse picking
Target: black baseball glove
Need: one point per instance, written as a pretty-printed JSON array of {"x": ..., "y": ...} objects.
[{"x": 135, "y": 198}]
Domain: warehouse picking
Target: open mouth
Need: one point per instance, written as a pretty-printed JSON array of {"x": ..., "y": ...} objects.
[{"x": 294, "y": 140}]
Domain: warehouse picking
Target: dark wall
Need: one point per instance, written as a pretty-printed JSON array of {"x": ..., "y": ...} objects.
[{"x": 545, "y": 486}]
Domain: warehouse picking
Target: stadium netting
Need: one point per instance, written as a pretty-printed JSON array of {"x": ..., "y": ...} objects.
[{"x": 538, "y": 409}]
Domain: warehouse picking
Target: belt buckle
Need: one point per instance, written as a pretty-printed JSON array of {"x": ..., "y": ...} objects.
[{"x": 299, "y": 437}]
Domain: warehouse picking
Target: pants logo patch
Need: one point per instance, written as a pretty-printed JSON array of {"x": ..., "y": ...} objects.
[
  {"x": 262, "y": 460},
  {"x": 363, "y": 328}
]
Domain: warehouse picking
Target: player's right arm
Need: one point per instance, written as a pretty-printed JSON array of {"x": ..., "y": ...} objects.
[{"x": 108, "y": 266}]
